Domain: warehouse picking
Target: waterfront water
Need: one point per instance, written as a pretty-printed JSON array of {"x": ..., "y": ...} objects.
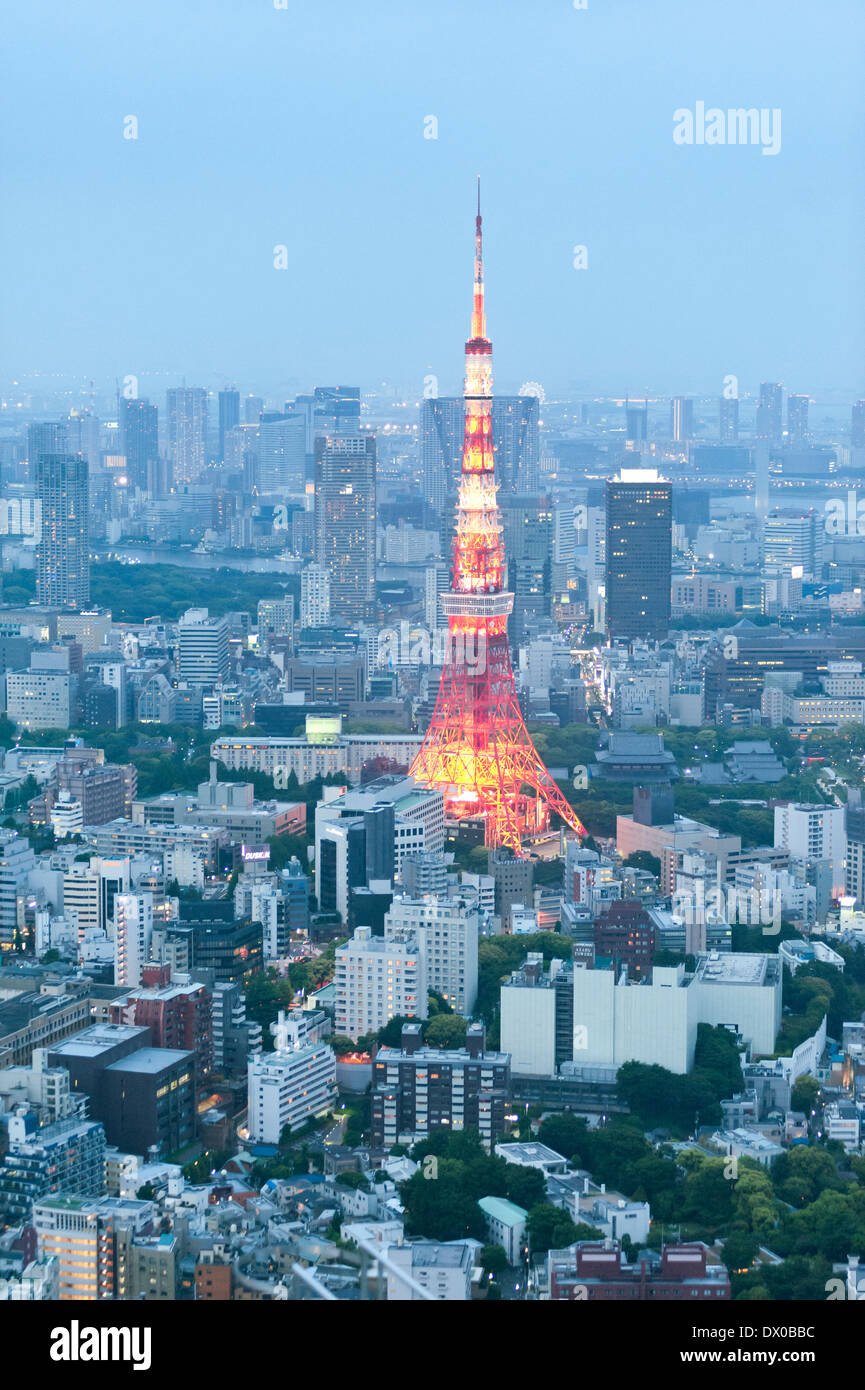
[{"x": 187, "y": 559}]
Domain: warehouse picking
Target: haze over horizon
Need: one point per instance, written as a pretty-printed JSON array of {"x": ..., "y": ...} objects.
[{"x": 304, "y": 128}]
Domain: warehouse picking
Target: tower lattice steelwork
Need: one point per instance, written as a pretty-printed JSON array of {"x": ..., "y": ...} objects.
[{"x": 477, "y": 748}]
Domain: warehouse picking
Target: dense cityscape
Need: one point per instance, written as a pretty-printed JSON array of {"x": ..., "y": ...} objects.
[{"x": 432, "y": 835}]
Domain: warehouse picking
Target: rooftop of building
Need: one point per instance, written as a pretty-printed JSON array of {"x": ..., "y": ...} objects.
[
  {"x": 534, "y": 1153},
  {"x": 500, "y": 1209},
  {"x": 152, "y": 1060},
  {"x": 737, "y": 968},
  {"x": 442, "y": 1056},
  {"x": 435, "y": 1255},
  {"x": 98, "y": 1038}
]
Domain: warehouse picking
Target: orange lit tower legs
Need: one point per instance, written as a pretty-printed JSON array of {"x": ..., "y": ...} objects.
[{"x": 477, "y": 748}]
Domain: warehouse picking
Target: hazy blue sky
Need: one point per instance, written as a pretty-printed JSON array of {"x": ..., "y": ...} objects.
[{"x": 305, "y": 127}]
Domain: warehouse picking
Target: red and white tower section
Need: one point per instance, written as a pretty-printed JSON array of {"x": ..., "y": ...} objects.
[{"x": 477, "y": 747}]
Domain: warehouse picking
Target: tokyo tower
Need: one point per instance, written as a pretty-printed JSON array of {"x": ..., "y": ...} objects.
[{"x": 477, "y": 747}]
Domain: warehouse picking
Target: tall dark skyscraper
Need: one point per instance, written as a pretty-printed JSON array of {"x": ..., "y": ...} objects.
[
  {"x": 229, "y": 416},
  {"x": 442, "y": 426},
  {"x": 516, "y": 445},
  {"x": 770, "y": 418},
  {"x": 516, "y": 442},
  {"x": 345, "y": 523},
  {"x": 728, "y": 419},
  {"x": 187, "y": 432},
  {"x": 857, "y": 426},
  {"x": 63, "y": 551},
  {"x": 139, "y": 426},
  {"x": 637, "y": 422},
  {"x": 797, "y": 420},
  {"x": 45, "y": 439},
  {"x": 639, "y": 554},
  {"x": 681, "y": 419}
]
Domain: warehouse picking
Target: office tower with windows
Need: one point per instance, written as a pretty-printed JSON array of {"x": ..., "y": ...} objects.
[
  {"x": 314, "y": 596},
  {"x": 516, "y": 445},
  {"x": 187, "y": 432},
  {"x": 139, "y": 428},
  {"x": 797, "y": 420},
  {"x": 857, "y": 426},
  {"x": 282, "y": 455},
  {"x": 345, "y": 523},
  {"x": 45, "y": 439},
  {"x": 639, "y": 554},
  {"x": 442, "y": 426},
  {"x": 229, "y": 416},
  {"x": 63, "y": 551},
  {"x": 770, "y": 411},
  {"x": 681, "y": 419},
  {"x": 516, "y": 442},
  {"x": 637, "y": 422},
  {"x": 202, "y": 649},
  {"x": 728, "y": 419},
  {"x": 792, "y": 539}
]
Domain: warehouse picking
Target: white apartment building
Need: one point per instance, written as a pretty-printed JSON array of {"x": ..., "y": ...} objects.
[
  {"x": 814, "y": 832},
  {"x": 67, "y": 817},
  {"x": 40, "y": 699},
  {"x": 133, "y": 932},
  {"x": 444, "y": 1270},
  {"x": 288, "y": 1088},
  {"x": 377, "y": 979},
  {"x": 202, "y": 647},
  {"x": 447, "y": 930},
  {"x": 314, "y": 596}
]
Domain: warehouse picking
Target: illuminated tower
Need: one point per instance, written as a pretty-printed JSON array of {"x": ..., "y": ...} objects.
[{"x": 477, "y": 748}]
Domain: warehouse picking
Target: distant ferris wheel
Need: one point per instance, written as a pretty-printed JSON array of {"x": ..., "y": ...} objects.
[{"x": 533, "y": 388}]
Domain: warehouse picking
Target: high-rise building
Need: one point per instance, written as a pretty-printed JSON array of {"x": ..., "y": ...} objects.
[
  {"x": 770, "y": 411},
  {"x": 792, "y": 538},
  {"x": 83, "y": 1235},
  {"x": 639, "y": 554},
  {"x": 417, "y": 1089},
  {"x": 377, "y": 980},
  {"x": 516, "y": 444},
  {"x": 66, "y": 1156},
  {"x": 728, "y": 419},
  {"x": 855, "y": 828},
  {"x": 797, "y": 420},
  {"x": 447, "y": 929},
  {"x": 637, "y": 423},
  {"x": 202, "y": 650},
  {"x": 187, "y": 432},
  {"x": 857, "y": 426},
  {"x": 133, "y": 932},
  {"x": 282, "y": 455},
  {"x": 314, "y": 596},
  {"x": 43, "y": 439},
  {"x": 681, "y": 419},
  {"x": 139, "y": 429},
  {"x": 289, "y": 1087},
  {"x": 229, "y": 416},
  {"x": 345, "y": 523},
  {"x": 442, "y": 425},
  {"x": 813, "y": 832},
  {"x": 63, "y": 551}
]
